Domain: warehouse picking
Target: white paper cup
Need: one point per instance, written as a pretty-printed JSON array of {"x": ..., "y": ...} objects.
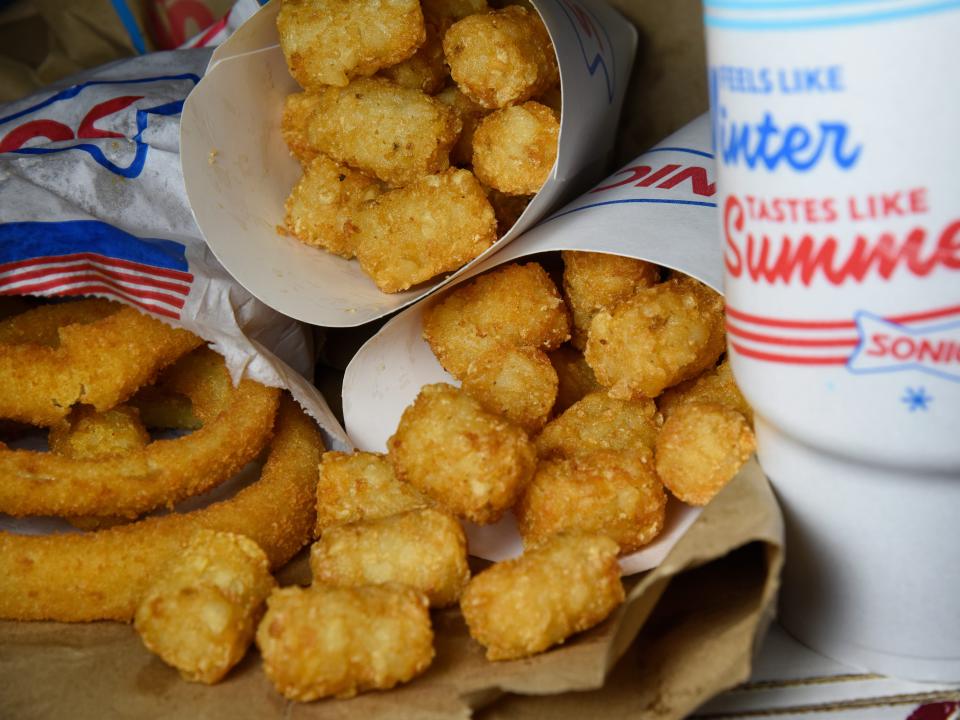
[
  {"x": 855, "y": 587},
  {"x": 838, "y": 191},
  {"x": 238, "y": 171}
]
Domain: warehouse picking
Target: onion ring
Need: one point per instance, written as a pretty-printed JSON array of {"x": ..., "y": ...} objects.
[
  {"x": 75, "y": 577},
  {"x": 237, "y": 425},
  {"x": 91, "y": 351}
]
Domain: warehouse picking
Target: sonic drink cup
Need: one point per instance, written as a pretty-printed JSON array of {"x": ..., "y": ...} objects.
[{"x": 837, "y": 140}]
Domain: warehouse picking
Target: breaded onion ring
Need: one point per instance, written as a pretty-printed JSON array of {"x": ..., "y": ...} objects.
[
  {"x": 103, "y": 575},
  {"x": 237, "y": 424},
  {"x": 93, "y": 352}
]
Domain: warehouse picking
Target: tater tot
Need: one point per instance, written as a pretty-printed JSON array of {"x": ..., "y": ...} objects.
[
  {"x": 394, "y": 133},
  {"x": 200, "y": 614},
  {"x": 575, "y": 378},
  {"x": 325, "y": 641},
  {"x": 434, "y": 225},
  {"x": 322, "y": 205},
  {"x": 713, "y": 386},
  {"x": 297, "y": 109},
  {"x": 523, "y": 606},
  {"x": 617, "y": 494},
  {"x": 470, "y": 461},
  {"x": 600, "y": 422},
  {"x": 514, "y": 149},
  {"x": 470, "y": 114},
  {"x": 426, "y": 69},
  {"x": 501, "y": 57},
  {"x": 597, "y": 281},
  {"x": 513, "y": 305},
  {"x": 701, "y": 448},
  {"x": 657, "y": 338},
  {"x": 328, "y": 42},
  {"x": 518, "y": 383},
  {"x": 358, "y": 487},
  {"x": 425, "y": 549}
]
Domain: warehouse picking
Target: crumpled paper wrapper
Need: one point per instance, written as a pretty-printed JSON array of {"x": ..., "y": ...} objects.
[{"x": 687, "y": 630}]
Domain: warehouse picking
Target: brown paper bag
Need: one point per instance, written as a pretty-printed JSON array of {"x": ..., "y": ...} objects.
[{"x": 699, "y": 632}]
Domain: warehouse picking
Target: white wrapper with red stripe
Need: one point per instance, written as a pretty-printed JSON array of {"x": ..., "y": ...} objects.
[
  {"x": 836, "y": 138},
  {"x": 92, "y": 203}
]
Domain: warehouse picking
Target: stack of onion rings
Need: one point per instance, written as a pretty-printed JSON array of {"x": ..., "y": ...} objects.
[
  {"x": 92, "y": 352},
  {"x": 237, "y": 424},
  {"x": 99, "y": 375},
  {"x": 102, "y": 575}
]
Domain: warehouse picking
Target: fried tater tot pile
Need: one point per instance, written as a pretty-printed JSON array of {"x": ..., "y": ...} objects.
[
  {"x": 658, "y": 337},
  {"x": 597, "y": 281},
  {"x": 519, "y": 383},
  {"x": 515, "y": 305},
  {"x": 701, "y": 446},
  {"x": 524, "y": 606},
  {"x": 575, "y": 378},
  {"x": 393, "y": 133},
  {"x": 200, "y": 614},
  {"x": 597, "y": 418},
  {"x": 386, "y": 133},
  {"x": 323, "y": 204},
  {"x": 600, "y": 422}
]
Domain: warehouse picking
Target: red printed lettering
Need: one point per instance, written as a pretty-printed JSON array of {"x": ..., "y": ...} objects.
[{"x": 785, "y": 258}]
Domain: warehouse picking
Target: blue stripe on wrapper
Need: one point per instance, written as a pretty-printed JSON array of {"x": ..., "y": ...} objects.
[{"x": 21, "y": 241}]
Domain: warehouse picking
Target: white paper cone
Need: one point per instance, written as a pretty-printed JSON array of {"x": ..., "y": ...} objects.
[
  {"x": 671, "y": 222},
  {"x": 238, "y": 171}
]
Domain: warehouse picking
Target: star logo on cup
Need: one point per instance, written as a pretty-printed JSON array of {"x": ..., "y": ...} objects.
[{"x": 916, "y": 399}]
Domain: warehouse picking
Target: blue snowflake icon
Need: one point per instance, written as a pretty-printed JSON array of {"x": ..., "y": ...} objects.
[{"x": 916, "y": 399}]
